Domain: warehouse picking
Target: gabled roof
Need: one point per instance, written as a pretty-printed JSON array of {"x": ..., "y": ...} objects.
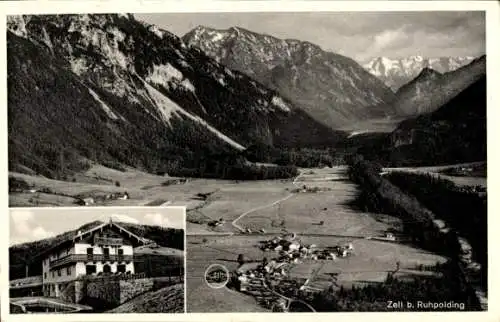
[
  {"x": 72, "y": 239},
  {"x": 81, "y": 235}
]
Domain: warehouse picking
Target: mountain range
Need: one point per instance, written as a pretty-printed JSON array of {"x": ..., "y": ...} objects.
[
  {"x": 431, "y": 89},
  {"x": 397, "y": 72},
  {"x": 110, "y": 88},
  {"x": 332, "y": 88},
  {"x": 454, "y": 133}
]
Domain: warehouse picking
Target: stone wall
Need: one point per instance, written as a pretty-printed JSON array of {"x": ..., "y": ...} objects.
[
  {"x": 104, "y": 290},
  {"x": 80, "y": 291},
  {"x": 112, "y": 292},
  {"x": 68, "y": 292},
  {"x": 132, "y": 288}
]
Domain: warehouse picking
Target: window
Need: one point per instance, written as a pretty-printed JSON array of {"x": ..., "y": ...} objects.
[
  {"x": 121, "y": 268},
  {"x": 106, "y": 269},
  {"x": 58, "y": 272},
  {"x": 90, "y": 269},
  {"x": 68, "y": 270},
  {"x": 90, "y": 253},
  {"x": 120, "y": 252},
  {"x": 45, "y": 275},
  {"x": 106, "y": 252}
]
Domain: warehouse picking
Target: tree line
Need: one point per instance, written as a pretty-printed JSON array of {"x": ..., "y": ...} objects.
[{"x": 465, "y": 211}]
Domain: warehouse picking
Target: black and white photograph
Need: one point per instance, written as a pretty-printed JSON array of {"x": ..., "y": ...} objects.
[
  {"x": 97, "y": 261},
  {"x": 328, "y": 161}
]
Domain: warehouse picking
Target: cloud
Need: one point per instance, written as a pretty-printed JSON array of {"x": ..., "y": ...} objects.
[
  {"x": 26, "y": 227},
  {"x": 359, "y": 35},
  {"x": 157, "y": 219},
  {"x": 124, "y": 218},
  {"x": 391, "y": 38},
  {"x": 40, "y": 233},
  {"x": 21, "y": 220}
]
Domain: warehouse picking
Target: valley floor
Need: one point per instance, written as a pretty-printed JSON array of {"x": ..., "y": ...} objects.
[
  {"x": 317, "y": 205},
  {"x": 438, "y": 172},
  {"x": 302, "y": 213}
]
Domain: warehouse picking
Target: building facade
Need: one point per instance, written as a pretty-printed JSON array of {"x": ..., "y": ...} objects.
[{"x": 105, "y": 250}]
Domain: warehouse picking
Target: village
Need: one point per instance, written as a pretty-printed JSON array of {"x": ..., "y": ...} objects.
[{"x": 269, "y": 281}]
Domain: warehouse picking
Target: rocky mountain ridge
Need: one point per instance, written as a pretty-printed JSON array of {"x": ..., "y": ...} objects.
[
  {"x": 395, "y": 72},
  {"x": 332, "y": 88},
  {"x": 110, "y": 87}
]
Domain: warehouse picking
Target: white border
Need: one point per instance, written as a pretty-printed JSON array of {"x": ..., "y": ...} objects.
[{"x": 148, "y": 6}]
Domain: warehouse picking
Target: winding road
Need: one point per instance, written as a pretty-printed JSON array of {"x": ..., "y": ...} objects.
[{"x": 234, "y": 223}]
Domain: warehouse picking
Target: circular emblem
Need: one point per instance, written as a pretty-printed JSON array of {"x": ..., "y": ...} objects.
[{"x": 216, "y": 276}]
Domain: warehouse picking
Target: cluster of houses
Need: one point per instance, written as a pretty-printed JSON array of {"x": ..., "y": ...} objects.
[
  {"x": 256, "y": 277},
  {"x": 306, "y": 189},
  {"x": 291, "y": 249},
  {"x": 176, "y": 181},
  {"x": 252, "y": 277}
]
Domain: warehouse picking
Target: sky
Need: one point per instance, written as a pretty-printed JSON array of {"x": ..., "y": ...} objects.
[
  {"x": 33, "y": 224},
  {"x": 358, "y": 35}
]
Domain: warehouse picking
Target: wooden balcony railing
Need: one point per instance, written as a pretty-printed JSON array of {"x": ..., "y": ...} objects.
[
  {"x": 73, "y": 258},
  {"x": 111, "y": 241}
]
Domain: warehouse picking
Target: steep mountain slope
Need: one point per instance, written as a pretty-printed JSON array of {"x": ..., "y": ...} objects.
[
  {"x": 332, "y": 88},
  {"x": 111, "y": 88},
  {"x": 430, "y": 89},
  {"x": 454, "y": 133},
  {"x": 397, "y": 72}
]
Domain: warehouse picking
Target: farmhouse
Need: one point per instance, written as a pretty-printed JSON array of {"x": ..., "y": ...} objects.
[{"x": 107, "y": 249}]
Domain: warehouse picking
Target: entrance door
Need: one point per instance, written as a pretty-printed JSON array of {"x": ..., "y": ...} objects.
[
  {"x": 105, "y": 251},
  {"x": 106, "y": 269}
]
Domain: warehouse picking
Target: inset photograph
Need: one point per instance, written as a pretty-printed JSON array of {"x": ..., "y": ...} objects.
[{"x": 127, "y": 260}]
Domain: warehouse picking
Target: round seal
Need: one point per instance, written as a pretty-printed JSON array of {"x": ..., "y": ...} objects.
[{"x": 216, "y": 276}]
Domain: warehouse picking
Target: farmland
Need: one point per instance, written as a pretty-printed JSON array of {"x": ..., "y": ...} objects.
[
  {"x": 324, "y": 218},
  {"x": 445, "y": 172},
  {"x": 318, "y": 205}
]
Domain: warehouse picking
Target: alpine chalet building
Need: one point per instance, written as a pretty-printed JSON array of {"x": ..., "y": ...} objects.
[{"x": 107, "y": 249}]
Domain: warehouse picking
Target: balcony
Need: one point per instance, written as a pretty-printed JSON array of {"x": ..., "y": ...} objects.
[
  {"x": 109, "y": 241},
  {"x": 73, "y": 258}
]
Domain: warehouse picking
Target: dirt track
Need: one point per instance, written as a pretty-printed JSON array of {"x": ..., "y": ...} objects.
[{"x": 372, "y": 260}]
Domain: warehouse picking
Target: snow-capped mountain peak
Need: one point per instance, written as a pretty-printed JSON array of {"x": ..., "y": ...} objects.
[{"x": 396, "y": 72}]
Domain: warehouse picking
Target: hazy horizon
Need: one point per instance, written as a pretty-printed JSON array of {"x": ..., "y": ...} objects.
[{"x": 359, "y": 35}]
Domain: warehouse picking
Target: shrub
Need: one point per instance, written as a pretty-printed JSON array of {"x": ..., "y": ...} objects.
[{"x": 16, "y": 184}]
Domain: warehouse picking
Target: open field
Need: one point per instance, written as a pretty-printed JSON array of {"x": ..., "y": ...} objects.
[
  {"x": 221, "y": 250},
  {"x": 370, "y": 263},
  {"x": 143, "y": 189},
  {"x": 374, "y": 125},
  {"x": 437, "y": 171},
  {"x": 302, "y": 213}
]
